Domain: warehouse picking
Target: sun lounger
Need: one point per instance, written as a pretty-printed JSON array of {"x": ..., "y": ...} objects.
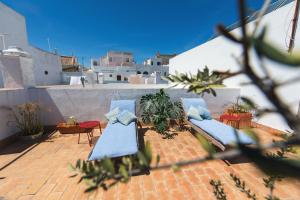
[
  {"x": 216, "y": 132},
  {"x": 117, "y": 139}
]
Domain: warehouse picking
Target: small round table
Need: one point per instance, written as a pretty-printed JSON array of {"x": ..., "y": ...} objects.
[{"x": 88, "y": 128}]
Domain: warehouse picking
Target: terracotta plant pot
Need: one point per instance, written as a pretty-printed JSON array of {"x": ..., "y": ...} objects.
[
  {"x": 238, "y": 120},
  {"x": 31, "y": 137},
  {"x": 64, "y": 128}
]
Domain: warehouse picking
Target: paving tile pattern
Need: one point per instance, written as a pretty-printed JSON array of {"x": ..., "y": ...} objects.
[{"x": 43, "y": 173}]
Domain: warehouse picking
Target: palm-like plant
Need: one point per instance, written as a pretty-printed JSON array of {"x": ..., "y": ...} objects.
[
  {"x": 158, "y": 109},
  {"x": 203, "y": 82}
]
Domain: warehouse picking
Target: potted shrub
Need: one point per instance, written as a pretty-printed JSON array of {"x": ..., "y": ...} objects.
[
  {"x": 238, "y": 115},
  {"x": 28, "y": 121},
  {"x": 158, "y": 110}
]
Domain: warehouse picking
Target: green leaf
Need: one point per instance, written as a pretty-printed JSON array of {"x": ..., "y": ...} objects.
[
  {"x": 175, "y": 168},
  {"x": 148, "y": 152},
  {"x": 78, "y": 164},
  {"x": 142, "y": 159},
  {"x": 84, "y": 166},
  {"x": 252, "y": 134},
  {"x": 205, "y": 144},
  {"x": 108, "y": 165},
  {"x": 124, "y": 173},
  {"x": 249, "y": 102},
  {"x": 71, "y": 167},
  {"x": 265, "y": 49},
  {"x": 157, "y": 160}
]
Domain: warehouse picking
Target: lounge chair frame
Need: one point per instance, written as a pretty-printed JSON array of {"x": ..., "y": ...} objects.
[
  {"x": 206, "y": 135},
  {"x": 211, "y": 139}
]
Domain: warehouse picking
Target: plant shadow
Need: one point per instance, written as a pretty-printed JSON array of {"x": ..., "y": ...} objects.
[
  {"x": 18, "y": 146},
  {"x": 169, "y": 135}
]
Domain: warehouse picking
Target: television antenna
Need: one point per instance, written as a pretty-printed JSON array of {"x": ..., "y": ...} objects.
[
  {"x": 2, "y": 35},
  {"x": 49, "y": 46}
]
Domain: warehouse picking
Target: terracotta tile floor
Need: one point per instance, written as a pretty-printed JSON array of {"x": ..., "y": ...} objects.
[{"x": 43, "y": 173}]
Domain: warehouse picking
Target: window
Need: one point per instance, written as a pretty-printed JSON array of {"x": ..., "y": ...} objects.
[
  {"x": 165, "y": 73},
  {"x": 95, "y": 63},
  {"x": 110, "y": 59},
  {"x": 110, "y": 75},
  {"x": 127, "y": 59},
  {"x": 138, "y": 72},
  {"x": 145, "y": 73},
  {"x": 158, "y": 63},
  {"x": 119, "y": 77},
  {"x": 125, "y": 79},
  {"x": 151, "y": 63},
  {"x": 46, "y": 72}
]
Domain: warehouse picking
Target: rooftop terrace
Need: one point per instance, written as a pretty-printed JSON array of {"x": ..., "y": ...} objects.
[{"x": 40, "y": 171}]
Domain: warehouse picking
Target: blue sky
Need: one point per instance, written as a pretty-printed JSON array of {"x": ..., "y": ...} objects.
[{"x": 89, "y": 28}]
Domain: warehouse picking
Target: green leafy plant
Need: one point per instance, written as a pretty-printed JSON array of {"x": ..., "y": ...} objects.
[
  {"x": 203, "y": 82},
  {"x": 240, "y": 106},
  {"x": 268, "y": 86},
  {"x": 158, "y": 110},
  {"x": 27, "y": 119},
  {"x": 107, "y": 172}
]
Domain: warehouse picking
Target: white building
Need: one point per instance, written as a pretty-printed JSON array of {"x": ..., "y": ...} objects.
[
  {"x": 121, "y": 74},
  {"x": 218, "y": 52},
  {"x": 115, "y": 69},
  {"x": 115, "y": 58},
  {"x": 153, "y": 61},
  {"x": 46, "y": 66}
]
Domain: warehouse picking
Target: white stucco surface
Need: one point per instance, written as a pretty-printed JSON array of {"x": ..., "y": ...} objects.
[
  {"x": 9, "y": 98},
  {"x": 46, "y": 62},
  {"x": 218, "y": 54},
  {"x": 13, "y": 25},
  {"x": 16, "y": 72},
  {"x": 58, "y": 103}
]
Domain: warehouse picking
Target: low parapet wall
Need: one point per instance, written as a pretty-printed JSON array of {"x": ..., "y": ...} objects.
[
  {"x": 9, "y": 98},
  {"x": 91, "y": 103}
]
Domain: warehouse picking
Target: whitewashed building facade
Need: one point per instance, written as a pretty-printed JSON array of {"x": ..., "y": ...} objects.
[
  {"x": 218, "y": 53},
  {"x": 119, "y": 66},
  {"x": 46, "y": 66}
]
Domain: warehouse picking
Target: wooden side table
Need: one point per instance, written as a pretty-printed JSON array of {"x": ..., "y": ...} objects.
[{"x": 88, "y": 128}]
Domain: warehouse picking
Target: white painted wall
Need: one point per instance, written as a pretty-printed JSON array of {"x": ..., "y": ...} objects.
[
  {"x": 45, "y": 61},
  {"x": 9, "y": 98},
  {"x": 16, "y": 72},
  {"x": 218, "y": 53},
  {"x": 126, "y": 71},
  {"x": 91, "y": 103},
  {"x": 14, "y": 25}
]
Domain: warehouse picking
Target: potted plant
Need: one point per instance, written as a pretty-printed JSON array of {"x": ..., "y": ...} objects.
[
  {"x": 158, "y": 110},
  {"x": 71, "y": 126},
  {"x": 238, "y": 115},
  {"x": 28, "y": 121}
]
